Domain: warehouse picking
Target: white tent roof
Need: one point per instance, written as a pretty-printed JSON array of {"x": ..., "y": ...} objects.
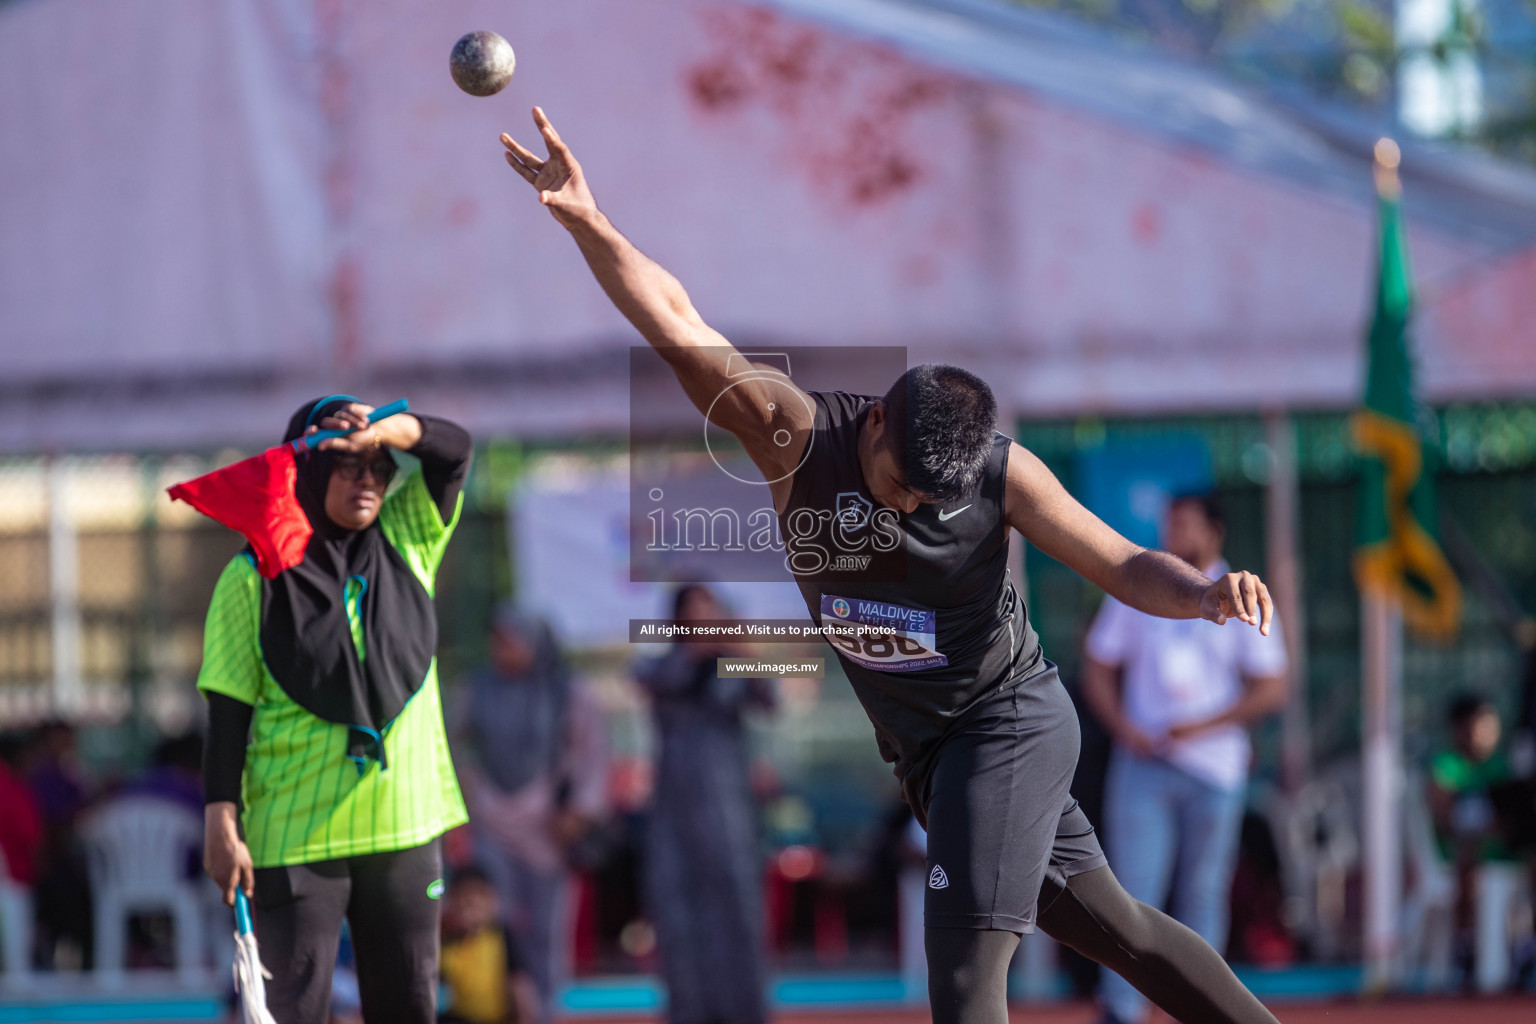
[{"x": 237, "y": 206}]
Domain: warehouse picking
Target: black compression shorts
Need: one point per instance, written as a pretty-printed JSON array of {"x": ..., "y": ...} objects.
[{"x": 1000, "y": 814}]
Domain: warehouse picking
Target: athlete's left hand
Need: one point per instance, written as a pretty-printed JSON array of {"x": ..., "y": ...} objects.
[
  {"x": 399, "y": 431},
  {"x": 1238, "y": 595}
]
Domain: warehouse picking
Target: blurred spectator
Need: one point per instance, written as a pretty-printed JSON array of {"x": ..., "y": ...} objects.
[
  {"x": 532, "y": 754},
  {"x": 175, "y": 773},
  {"x": 1259, "y": 932},
  {"x": 1523, "y": 740},
  {"x": 704, "y": 869},
  {"x": 911, "y": 882},
  {"x": 53, "y": 774},
  {"x": 484, "y": 980},
  {"x": 21, "y": 826},
  {"x": 1178, "y": 696},
  {"x": 1463, "y": 780},
  {"x": 895, "y": 877},
  {"x": 1521, "y": 808},
  {"x": 62, "y": 893}
]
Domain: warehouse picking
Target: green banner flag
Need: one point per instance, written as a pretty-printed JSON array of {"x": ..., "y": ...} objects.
[{"x": 1397, "y": 552}]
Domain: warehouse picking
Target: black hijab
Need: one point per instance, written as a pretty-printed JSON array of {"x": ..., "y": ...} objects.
[{"x": 306, "y": 637}]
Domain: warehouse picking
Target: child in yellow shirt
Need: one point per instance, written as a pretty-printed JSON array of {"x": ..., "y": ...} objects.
[{"x": 482, "y": 971}]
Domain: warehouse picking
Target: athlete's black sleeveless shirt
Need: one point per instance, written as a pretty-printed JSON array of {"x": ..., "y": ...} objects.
[{"x": 956, "y": 566}]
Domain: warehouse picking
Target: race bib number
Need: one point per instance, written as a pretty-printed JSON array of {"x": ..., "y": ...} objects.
[{"x": 882, "y": 636}]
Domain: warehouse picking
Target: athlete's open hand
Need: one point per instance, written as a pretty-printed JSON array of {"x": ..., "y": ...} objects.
[
  {"x": 561, "y": 185},
  {"x": 1238, "y": 595}
]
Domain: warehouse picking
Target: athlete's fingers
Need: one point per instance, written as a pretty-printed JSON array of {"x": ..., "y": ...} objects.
[
  {"x": 525, "y": 156},
  {"x": 551, "y": 137},
  {"x": 345, "y": 419},
  {"x": 1250, "y": 598},
  {"x": 330, "y": 423},
  {"x": 343, "y": 423},
  {"x": 527, "y": 174},
  {"x": 1234, "y": 592},
  {"x": 247, "y": 879},
  {"x": 1218, "y": 614},
  {"x": 1266, "y": 609},
  {"x": 345, "y": 443}
]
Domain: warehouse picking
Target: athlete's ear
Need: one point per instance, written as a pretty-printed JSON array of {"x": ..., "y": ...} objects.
[{"x": 876, "y": 420}]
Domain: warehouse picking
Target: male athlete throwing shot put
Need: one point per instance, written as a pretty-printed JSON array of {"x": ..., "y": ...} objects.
[{"x": 982, "y": 733}]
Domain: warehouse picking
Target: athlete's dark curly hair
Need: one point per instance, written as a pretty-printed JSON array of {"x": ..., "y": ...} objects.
[{"x": 940, "y": 422}]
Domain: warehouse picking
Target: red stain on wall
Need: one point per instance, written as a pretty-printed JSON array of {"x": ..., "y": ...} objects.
[
  {"x": 921, "y": 271},
  {"x": 463, "y": 211},
  {"x": 715, "y": 86},
  {"x": 1147, "y": 223},
  {"x": 846, "y": 107}
]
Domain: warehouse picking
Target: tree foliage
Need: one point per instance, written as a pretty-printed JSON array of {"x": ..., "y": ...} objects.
[{"x": 1347, "y": 50}]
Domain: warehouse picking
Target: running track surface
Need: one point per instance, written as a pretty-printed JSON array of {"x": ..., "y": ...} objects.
[{"x": 1418, "y": 1011}]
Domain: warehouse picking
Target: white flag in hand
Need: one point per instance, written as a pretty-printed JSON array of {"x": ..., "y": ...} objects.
[{"x": 250, "y": 976}]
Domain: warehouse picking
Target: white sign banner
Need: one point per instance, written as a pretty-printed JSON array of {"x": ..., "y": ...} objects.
[{"x": 570, "y": 548}]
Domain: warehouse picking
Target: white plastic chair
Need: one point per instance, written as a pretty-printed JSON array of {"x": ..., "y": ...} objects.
[
  {"x": 1315, "y": 834},
  {"x": 138, "y": 848},
  {"x": 1428, "y": 913},
  {"x": 15, "y": 927}
]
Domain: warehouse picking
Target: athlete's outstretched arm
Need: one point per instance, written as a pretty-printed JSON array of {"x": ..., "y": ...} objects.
[
  {"x": 1153, "y": 581},
  {"x": 655, "y": 302}
]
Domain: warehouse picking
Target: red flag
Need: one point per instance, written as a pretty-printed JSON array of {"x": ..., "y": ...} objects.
[{"x": 255, "y": 498}]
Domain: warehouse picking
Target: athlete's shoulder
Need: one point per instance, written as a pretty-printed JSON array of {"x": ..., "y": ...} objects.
[
  {"x": 410, "y": 515},
  {"x": 838, "y": 408},
  {"x": 237, "y": 591},
  {"x": 239, "y": 573}
]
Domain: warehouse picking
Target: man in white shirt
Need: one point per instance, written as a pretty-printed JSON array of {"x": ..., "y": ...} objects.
[{"x": 1178, "y": 697}]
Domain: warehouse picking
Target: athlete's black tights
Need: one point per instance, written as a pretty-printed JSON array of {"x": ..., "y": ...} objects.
[{"x": 1168, "y": 963}]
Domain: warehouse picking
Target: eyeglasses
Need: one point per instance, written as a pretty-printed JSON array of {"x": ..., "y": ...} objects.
[{"x": 351, "y": 468}]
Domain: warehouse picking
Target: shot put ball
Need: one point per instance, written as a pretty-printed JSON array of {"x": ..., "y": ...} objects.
[{"x": 482, "y": 63}]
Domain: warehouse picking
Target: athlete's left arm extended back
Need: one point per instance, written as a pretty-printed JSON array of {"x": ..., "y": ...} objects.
[{"x": 1153, "y": 581}]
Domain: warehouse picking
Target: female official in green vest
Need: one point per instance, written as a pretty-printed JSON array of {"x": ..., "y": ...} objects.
[{"x": 325, "y": 721}]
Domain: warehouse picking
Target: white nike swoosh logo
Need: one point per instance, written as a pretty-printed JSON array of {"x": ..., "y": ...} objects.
[{"x": 945, "y": 517}]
